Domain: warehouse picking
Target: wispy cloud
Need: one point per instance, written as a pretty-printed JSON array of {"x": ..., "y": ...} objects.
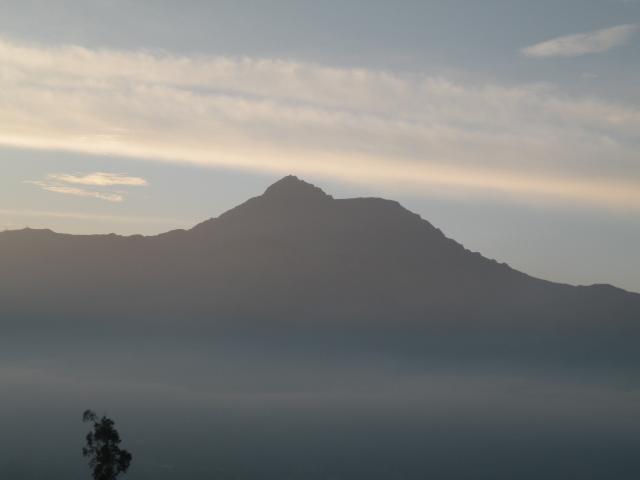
[
  {"x": 529, "y": 142},
  {"x": 582, "y": 43},
  {"x": 99, "y": 179},
  {"x": 65, "y": 184},
  {"x": 77, "y": 192}
]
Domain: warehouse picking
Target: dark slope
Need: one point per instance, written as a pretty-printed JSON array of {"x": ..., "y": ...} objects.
[{"x": 294, "y": 255}]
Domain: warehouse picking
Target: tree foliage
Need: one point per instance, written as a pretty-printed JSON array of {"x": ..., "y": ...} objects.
[{"x": 106, "y": 459}]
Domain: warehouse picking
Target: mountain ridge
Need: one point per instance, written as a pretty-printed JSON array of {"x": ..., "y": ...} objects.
[
  {"x": 299, "y": 268},
  {"x": 284, "y": 191}
]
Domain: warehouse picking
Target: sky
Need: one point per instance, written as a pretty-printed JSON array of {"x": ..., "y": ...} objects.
[{"x": 514, "y": 126}]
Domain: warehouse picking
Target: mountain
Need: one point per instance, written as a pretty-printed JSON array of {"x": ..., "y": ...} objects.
[
  {"x": 302, "y": 336},
  {"x": 294, "y": 255}
]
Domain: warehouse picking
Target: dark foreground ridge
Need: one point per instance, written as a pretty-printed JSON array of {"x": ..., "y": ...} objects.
[{"x": 294, "y": 255}]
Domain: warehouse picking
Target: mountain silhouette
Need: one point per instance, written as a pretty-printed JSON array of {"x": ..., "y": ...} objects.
[
  {"x": 302, "y": 336},
  {"x": 295, "y": 256}
]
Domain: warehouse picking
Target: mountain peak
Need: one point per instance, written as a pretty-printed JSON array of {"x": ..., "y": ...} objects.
[{"x": 292, "y": 187}]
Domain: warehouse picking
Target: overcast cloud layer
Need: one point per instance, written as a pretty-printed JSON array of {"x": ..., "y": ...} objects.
[{"x": 528, "y": 141}]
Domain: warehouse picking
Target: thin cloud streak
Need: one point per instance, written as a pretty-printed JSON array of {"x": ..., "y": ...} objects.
[
  {"x": 76, "y": 192},
  {"x": 529, "y": 142},
  {"x": 99, "y": 179},
  {"x": 66, "y": 184},
  {"x": 583, "y": 43}
]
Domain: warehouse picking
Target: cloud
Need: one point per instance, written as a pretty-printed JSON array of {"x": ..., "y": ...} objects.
[
  {"x": 582, "y": 43},
  {"x": 59, "y": 183},
  {"x": 528, "y": 143},
  {"x": 100, "y": 179},
  {"x": 78, "y": 192}
]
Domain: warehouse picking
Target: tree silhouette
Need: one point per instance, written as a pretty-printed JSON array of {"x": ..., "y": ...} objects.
[{"x": 106, "y": 459}]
